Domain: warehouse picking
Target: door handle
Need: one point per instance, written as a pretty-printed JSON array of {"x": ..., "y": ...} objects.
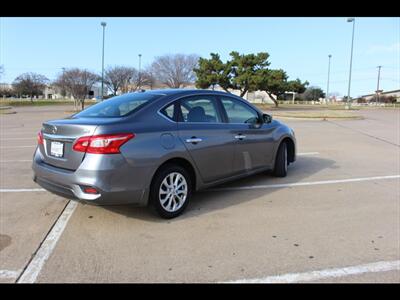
[
  {"x": 194, "y": 140},
  {"x": 240, "y": 137}
]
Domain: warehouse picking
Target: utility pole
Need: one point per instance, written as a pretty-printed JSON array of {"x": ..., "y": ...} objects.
[
  {"x": 63, "y": 92},
  {"x": 102, "y": 63},
  {"x": 350, "y": 20},
  {"x": 327, "y": 86},
  {"x": 140, "y": 79},
  {"x": 377, "y": 88}
]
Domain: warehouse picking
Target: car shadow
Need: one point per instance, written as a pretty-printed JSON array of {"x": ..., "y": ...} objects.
[{"x": 213, "y": 199}]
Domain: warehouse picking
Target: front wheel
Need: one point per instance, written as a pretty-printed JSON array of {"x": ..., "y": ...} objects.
[
  {"x": 281, "y": 161},
  {"x": 170, "y": 191}
]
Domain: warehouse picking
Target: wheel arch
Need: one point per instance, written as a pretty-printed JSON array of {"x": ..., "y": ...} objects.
[
  {"x": 180, "y": 161},
  {"x": 291, "y": 148}
]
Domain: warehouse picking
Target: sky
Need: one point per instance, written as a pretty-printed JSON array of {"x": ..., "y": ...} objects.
[{"x": 298, "y": 45}]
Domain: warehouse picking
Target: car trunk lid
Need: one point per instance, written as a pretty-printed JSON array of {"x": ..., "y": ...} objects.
[{"x": 58, "y": 139}]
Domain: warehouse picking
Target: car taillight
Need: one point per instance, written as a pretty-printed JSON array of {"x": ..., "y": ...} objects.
[
  {"x": 90, "y": 190},
  {"x": 40, "y": 138},
  {"x": 102, "y": 144}
]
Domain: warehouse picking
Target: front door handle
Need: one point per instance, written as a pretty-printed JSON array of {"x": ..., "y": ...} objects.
[
  {"x": 194, "y": 140},
  {"x": 240, "y": 137}
]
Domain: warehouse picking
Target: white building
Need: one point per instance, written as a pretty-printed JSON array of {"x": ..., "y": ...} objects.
[
  {"x": 52, "y": 92},
  {"x": 394, "y": 93}
]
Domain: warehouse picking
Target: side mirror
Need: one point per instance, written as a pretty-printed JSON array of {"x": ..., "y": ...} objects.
[{"x": 267, "y": 118}]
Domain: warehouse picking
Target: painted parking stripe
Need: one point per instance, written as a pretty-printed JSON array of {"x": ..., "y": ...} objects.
[
  {"x": 381, "y": 266},
  {"x": 31, "y": 272},
  {"x": 21, "y": 190},
  {"x": 7, "y": 274},
  {"x": 266, "y": 186},
  {"x": 307, "y": 153},
  {"x": 282, "y": 185},
  {"x": 27, "y": 146},
  {"x": 29, "y": 160}
]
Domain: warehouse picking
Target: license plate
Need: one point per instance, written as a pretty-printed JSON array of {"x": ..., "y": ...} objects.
[{"x": 57, "y": 149}]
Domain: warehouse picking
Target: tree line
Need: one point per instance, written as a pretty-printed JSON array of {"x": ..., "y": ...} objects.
[
  {"x": 171, "y": 70},
  {"x": 241, "y": 72}
]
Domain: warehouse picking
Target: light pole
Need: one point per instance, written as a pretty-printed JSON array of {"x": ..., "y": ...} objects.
[
  {"x": 327, "y": 86},
  {"x": 140, "y": 79},
  {"x": 63, "y": 93},
  {"x": 102, "y": 62},
  {"x": 350, "y": 20},
  {"x": 377, "y": 88}
]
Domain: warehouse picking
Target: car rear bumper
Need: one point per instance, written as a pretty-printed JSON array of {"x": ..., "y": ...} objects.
[{"x": 116, "y": 181}]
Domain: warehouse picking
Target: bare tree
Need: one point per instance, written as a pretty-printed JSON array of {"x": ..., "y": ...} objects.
[
  {"x": 119, "y": 77},
  {"x": 78, "y": 83},
  {"x": 175, "y": 70},
  {"x": 31, "y": 84},
  {"x": 148, "y": 78}
]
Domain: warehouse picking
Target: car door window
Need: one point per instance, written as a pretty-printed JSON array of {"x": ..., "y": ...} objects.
[
  {"x": 238, "y": 112},
  {"x": 199, "y": 109},
  {"x": 169, "y": 111}
]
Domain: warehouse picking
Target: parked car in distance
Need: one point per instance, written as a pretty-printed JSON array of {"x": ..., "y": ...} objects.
[{"x": 158, "y": 147}]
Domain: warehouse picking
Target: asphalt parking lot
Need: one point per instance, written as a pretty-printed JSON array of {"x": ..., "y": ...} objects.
[{"x": 334, "y": 218}]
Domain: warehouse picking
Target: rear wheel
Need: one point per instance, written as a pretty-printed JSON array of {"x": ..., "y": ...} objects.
[
  {"x": 170, "y": 191},
  {"x": 281, "y": 161}
]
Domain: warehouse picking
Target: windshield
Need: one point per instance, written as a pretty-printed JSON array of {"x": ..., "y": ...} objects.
[{"x": 118, "y": 106}]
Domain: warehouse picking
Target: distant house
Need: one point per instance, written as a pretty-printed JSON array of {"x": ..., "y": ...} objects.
[{"x": 53, "y": 92}]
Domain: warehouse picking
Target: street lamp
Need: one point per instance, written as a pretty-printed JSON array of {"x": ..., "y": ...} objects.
[
  {"x": 378, "y": 91},
  {"x": 350, "y": 20},
  {"x": 140, "y": 79},
  {"x": 102, "y": 63},
  {"x": 327, "y": 86}
]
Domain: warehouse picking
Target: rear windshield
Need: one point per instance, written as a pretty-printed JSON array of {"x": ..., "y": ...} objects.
[{"x": 118, "y": 106}]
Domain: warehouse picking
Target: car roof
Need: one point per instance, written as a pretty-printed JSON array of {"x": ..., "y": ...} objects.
[{"x": 170, "y": 92}]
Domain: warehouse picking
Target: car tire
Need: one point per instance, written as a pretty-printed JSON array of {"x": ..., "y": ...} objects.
[
  {"x": 164, "y": 194},
  {"x": 281, "y": 161}
]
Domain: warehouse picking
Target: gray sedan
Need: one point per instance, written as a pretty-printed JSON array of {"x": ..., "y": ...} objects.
[{"x": 158, "y": 147}]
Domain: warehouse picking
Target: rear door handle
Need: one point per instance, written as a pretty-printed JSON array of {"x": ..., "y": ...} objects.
[
  {"x": 194, "y": 140},
  {"x": 240, "y": 137}
]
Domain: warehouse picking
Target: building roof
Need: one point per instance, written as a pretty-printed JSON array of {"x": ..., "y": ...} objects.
[{"x": 386, "y": 92}]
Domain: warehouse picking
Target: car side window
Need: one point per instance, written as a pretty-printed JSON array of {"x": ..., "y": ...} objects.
[
  {"x": 169, "y": 111},
  {"x": 238, "y": 112},
  {"x": 201, "y": 109}
]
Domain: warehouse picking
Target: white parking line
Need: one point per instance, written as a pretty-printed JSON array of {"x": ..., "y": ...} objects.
[
  {"x": 6, "y": 274},
  {"x": 31, "y": 272},
  {"x": 381, "y": 266},
  {"x": 21, "y": 190},
  {"x": 307, "y": 153},
  {"x": 281, "y": 185},
  {"x": 29, "y": 160},
  {"x": 300, "y": 154}
]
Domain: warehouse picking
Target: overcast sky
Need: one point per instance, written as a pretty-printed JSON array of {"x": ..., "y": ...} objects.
[{"x": 300, "y": 46}]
